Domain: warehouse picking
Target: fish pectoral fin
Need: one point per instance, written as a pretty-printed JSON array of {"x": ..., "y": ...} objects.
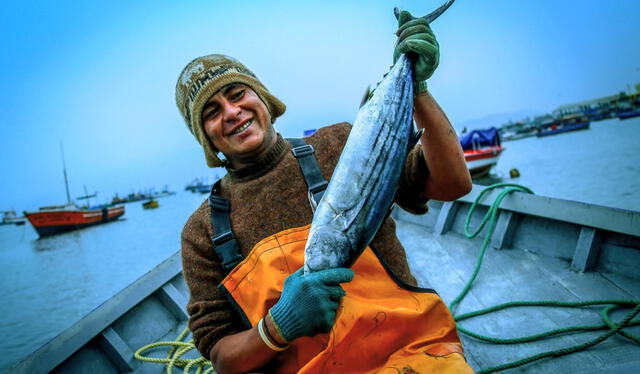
[
  {"x": 345, "y": 217},
  {"x": 367, "y": 95}
]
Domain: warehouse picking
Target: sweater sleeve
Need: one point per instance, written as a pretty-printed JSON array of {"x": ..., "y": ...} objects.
[
  {"x": 410, "y": 194},
  {"x": 211, "y": 315}
]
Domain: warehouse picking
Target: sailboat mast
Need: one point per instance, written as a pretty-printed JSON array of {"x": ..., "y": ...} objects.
[{"x": 64, "y": 171}]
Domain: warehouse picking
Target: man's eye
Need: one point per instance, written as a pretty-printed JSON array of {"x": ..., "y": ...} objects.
[
  {"x": 237, "y": 95},
  {"x": 212, "y": 113}
]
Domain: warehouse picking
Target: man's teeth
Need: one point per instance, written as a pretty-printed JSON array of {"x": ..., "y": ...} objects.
[{"x": 242, "y": 128}]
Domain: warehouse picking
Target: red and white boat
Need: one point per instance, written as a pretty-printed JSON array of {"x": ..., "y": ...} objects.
[
  {"x": 480, "y": 161},
  {"x": 482, "y": 150},
  {"x": 56, "y": 219}
]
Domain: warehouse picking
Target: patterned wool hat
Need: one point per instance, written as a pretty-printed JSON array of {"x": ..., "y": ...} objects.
[{"x": 201, "y": 79}]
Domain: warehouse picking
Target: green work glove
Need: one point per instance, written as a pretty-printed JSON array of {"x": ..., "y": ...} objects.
[
  {"x": 416, "y": 39},
  {"x": 309, "y": 302}
]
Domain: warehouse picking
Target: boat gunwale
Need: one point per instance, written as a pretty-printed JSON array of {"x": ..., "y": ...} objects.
[
  {"x": 585, "y": 214},
  {"x": 65, "y": 344}
]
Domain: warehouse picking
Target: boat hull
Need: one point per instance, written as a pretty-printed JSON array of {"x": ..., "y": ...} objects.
[
  {"x": 480, "y": 161},
  {"x": 55, "y": 222},
  {"x": 629, "y": 114},
  {"x": 564, "y": 128},
  {"x": 152, "y": 204}
]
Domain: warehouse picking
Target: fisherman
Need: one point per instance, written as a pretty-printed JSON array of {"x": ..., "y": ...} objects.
[{"x": 251, "y": 308}]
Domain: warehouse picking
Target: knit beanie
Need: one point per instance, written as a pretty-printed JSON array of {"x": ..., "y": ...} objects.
[{"x": 205, "y": 76}]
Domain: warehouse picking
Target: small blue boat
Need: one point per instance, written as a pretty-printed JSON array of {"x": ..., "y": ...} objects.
[
  {"x": 564, "y": 124},
  {"x": 629, "y": 114}
]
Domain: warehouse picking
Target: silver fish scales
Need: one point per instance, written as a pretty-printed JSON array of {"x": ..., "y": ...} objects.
[{"x": 365, "y": 180}]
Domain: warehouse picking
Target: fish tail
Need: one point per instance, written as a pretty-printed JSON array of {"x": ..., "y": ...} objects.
[{"x": 431, "y": 16}]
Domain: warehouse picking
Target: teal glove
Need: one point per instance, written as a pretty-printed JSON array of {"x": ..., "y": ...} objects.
[
  {"x": 309, "y": 302},
  {"x": 417, "y": 40}
]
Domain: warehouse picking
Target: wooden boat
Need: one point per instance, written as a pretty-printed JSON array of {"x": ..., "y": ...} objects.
[
  {"x": 564, "y": 124},
  {"x": 9, "y": 217},
  {"x": 51, "y": 220},
  {"x": 628, "y": 114},
  {"x": 480, "y": 161},
  {"x": 151, "y": 204},
  {"x": 542, "y": 248},
  {"x": 482, "y": 150},
  {"x": 203, "y": 189},
  {"x": 198, "y": 186},
  {"x": 56, "y": 219}
]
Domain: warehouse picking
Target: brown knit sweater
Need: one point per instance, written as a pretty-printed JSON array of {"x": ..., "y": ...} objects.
[{"x": 266, "y": 198}]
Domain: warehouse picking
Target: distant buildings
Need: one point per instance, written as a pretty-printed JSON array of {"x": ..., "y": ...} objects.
[{"x": 621, "y": 105}]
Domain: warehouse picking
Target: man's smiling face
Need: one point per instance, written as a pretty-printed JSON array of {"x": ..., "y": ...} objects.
[{"x": 238, "y": 124}]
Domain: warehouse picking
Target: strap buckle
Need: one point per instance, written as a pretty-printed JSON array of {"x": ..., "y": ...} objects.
[
  {"x": 303, "y": 150},
  {"x": 317, "y": 187},
  {"x": 218, "y": 203},
  {"x": 222, "y": 238}
]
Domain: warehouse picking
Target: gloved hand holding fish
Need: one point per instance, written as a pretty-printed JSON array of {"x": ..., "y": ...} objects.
[
  {"x": 364, "y": 183},
  {"x": 417, "y": 41}
]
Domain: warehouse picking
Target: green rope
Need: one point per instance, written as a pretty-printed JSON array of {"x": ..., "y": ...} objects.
[
  {"x": 614, "y": 328},
  {"x": 178, "y": 348}
]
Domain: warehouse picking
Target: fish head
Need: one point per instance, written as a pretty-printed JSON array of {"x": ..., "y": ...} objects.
[{"x": 327, "y": 248}]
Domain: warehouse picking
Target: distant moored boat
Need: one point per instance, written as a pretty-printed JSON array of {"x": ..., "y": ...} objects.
[
  {"x": 151, "y": 204},
  {"x": 565, "y": 124},
  {"x": 53, "y": 220},
  {"x": 9, "y": 217},
  {"x": 629, "y": 114},
  {"x": 482, "y": 150},
  {"x": 56, "y": 219}
]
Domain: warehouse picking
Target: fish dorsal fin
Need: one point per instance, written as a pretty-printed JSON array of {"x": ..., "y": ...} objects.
[{"x": 413, "y": 139}]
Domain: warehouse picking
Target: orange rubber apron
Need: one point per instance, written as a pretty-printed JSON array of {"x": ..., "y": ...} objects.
[{"x": 381, "y": 327}]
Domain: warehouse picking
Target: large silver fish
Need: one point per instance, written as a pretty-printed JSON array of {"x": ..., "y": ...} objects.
[{"x": 366, "y": 177}]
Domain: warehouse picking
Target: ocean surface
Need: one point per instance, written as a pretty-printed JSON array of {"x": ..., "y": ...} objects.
[
  {"x": 600, "y": 165},
  {"x": 49, "y": 284}
]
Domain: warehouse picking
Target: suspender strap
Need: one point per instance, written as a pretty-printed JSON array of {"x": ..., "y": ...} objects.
[
  {"x": 224, "y": 242},
  {"x": 316, "y": 183}
]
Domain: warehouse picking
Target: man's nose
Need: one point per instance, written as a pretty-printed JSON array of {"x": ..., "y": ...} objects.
[{"x": 231, "y": 112}]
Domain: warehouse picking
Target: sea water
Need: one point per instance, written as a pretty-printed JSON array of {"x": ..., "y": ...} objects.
[
  {"x": 49, "y": 284},
  {"x": 600, "y": 165}
]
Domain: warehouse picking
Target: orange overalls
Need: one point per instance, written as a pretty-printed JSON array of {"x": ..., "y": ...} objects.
[{"x": 382, "y": 325}]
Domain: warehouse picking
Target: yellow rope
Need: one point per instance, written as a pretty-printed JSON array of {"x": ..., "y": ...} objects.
[{"x": 178, "y": 348}]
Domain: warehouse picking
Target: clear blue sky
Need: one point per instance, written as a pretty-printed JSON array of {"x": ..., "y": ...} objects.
[{"x": 100, "y": 75}]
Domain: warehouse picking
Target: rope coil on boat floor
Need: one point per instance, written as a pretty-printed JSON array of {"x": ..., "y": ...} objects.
[
  {"x": 614, "y": 328},
  {"x": 178, "y": 348}
]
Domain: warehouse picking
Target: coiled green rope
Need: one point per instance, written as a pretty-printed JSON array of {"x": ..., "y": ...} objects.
[
  {"x": 178, "y": 348},
  {"x": 614, "y": 328}
]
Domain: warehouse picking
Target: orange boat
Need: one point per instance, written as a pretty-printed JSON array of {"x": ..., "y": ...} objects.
[{"x": 56, "y": 219}]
